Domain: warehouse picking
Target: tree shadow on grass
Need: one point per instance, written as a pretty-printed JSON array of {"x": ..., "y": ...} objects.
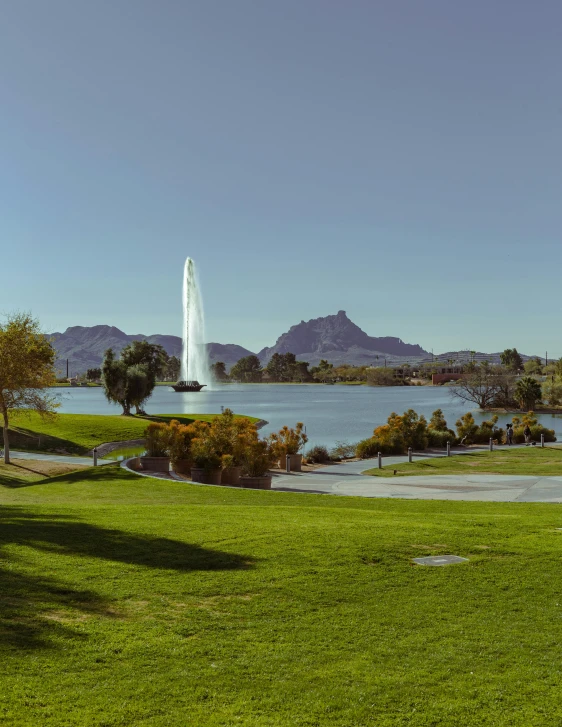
[{"x": 29, "y": 603}]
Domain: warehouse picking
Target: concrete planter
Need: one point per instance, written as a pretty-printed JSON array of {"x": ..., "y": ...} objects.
[
  {"x": 296, "y": 462},
  {"x": 231, "y": 476},
  {"x": 206, "y": 477},
  {"x": 182, "y": 466},
  {"x": 155, "y": 464},
  {"x": 256, "y": 483}
]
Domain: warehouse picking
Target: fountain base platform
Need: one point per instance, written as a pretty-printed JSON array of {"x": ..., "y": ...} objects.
[{"x": 188, "y": 386}]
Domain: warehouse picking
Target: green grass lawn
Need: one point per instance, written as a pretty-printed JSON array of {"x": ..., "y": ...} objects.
[
  {"x": 24, "y": 471},
  {"x": 517, "y": 461},
  {"x": 133, "y": 601},
  {"x": 79, "y": 433}
]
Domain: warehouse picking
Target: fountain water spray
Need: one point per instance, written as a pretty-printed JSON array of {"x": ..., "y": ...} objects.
[{"x": 194, "y": 359}]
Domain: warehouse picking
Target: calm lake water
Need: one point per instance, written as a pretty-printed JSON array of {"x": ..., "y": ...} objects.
[{"x": 330, "y": 413}]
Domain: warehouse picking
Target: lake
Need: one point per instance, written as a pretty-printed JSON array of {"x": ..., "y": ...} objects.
[{"x": 330, "y": 413}]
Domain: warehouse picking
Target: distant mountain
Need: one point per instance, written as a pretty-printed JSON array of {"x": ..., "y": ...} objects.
[
  {"x": 335, "y": 338},
  {"x": 339, "y": 340},
  {"x": 84, "y": 346},
  {"x": 228, "y": 353}
]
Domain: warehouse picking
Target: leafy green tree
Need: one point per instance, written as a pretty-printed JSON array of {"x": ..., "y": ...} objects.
[
  {"x": 93, "y": 374},
  {"x": 528, "y": 393},
  {"x": 130, "y": 380},
  {"x": 247, "y": 369},
  {"x": 511, "y": 359},
  {"x": 552, "y": 391},
  {"x": 26, "y": 370},
  {"x": 218, "y": 371},
  {"x": 382, "y": 376},
  {"x": 173, "y": 368},
  {"x": 533, "y": 367},
  {"x": 150, "y": 355}
]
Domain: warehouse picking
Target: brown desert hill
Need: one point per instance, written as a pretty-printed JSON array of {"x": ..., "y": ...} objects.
[{"x": 339, "y": 340}]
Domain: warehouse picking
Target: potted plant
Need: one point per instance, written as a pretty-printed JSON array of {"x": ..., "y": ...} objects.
[
  {"x": 156, "y": 439},
  {"x": 180, "y": 438},
  {"x": 206, "y": 460},
  {"x": 230, "y": 472},
  {"x": 231, "y": 435},
  {"x": 258, "y": 458},
  {"x": 288, "y": 441}
]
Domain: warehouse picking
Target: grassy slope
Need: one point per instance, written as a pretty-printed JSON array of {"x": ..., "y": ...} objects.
[
  {"x": 519, "y": 461},
  {"x": 79, "y": 433},
  {"x": 24, "y": 471},
  {"x": 136, "y": 601}
]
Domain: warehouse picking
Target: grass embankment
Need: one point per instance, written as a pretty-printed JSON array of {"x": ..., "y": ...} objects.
[
  {"x": 79, "y": 433},
  {"x": 129, "y": 601},
  {"x": 518, "y": 461}
]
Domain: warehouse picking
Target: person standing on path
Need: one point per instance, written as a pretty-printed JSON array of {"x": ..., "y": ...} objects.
[
  {"x": 509, "y": 434},
  {"x": 527, "y": 435}
]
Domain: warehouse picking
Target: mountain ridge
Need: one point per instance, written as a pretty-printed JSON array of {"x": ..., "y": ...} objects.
[{"x": 334, "y": 337}]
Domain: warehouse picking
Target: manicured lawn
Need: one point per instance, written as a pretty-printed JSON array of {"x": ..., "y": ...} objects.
[
  {"x": 132, "y": 601},
  {"x": 79, "y": 433},
  {"x": 24, "y": 471},
  {"x": 517, "y": 461}
]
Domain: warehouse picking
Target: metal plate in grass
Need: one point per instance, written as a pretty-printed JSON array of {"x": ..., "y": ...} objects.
[{"x": 440, "y": 560}]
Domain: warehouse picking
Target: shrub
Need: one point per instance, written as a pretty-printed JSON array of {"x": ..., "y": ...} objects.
[
  {"x": 466, "y": 428},
  {"x": 318, "y": 454},
  {"x": 287, "y": 441},
  {"x": 536, "y": 429},
  {"x": 342, "y": 450},
  {"x": 157, "y": 439},
  {"x": 231, "y": 435},
  {"x": 401, "y": 432},
  {"x": 258, "y": 458},
  {"x": 180, "y": 438},
  {"x": 439, "y": 439},
  {"x": 204, "y": 452}
]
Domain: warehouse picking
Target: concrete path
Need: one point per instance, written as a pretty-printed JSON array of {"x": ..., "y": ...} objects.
[
  {"x": 346, "y": 479},
  {"x": 65, "y": 459}
]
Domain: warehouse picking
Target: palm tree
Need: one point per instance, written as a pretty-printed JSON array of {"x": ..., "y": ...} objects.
[{"x": 527, "y": 393}]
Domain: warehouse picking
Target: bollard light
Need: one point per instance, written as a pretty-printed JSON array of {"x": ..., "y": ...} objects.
[
  {"x": 542, "y": 439},
  {"x": 409, "y": 454},
  {"x": 288, "y": 462},
  {"x": 448, "y": 449},
  {"x": 380, "y": 460},
  {"x": 95, "y": 456},
  {"x": 491, "y": 444}
]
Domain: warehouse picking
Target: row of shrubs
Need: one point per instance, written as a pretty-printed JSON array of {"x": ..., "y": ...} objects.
[
  {"x": 224, "y": 443},
  {"x": 412, "y": 430}
]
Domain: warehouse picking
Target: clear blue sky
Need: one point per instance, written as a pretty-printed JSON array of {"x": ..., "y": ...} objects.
[{"x": 398, "y": 160}]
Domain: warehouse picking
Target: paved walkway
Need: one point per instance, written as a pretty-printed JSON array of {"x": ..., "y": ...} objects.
[
  {"x": 346, "y": 479},
  {"x": 65, "y": 459}
]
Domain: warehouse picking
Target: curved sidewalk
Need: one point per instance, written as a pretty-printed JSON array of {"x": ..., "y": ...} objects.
[{"x": 346, "y": 479}]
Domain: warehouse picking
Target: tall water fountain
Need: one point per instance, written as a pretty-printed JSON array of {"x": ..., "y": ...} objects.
[{"x": 194, "y": 359}]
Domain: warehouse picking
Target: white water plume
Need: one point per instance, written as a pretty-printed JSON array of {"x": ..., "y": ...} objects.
[{"x": 194, "y": 359}]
